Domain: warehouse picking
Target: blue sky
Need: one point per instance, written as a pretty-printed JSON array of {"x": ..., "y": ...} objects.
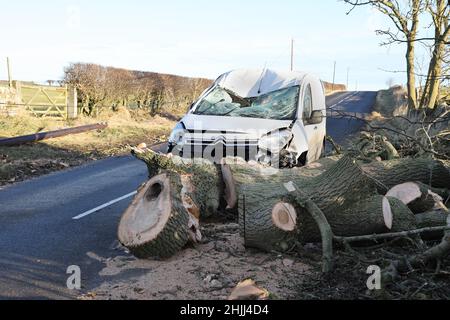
[{"x": 197, "y": 38}]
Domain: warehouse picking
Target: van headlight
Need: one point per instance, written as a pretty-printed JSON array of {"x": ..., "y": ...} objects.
[
  {"x": 275, "y": 141},
  {"x": 177, "y": 134}
]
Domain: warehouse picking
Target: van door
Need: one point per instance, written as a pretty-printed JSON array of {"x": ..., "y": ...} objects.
[{"x": 315, "y": 133}]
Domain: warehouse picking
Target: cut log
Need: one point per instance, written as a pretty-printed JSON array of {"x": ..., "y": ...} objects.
[
  {"x": 284, "y": 216},
  {"x": 344, "y": 193},
  {"x": 203, "y": 177},
  {"x": 269, "y": 229},
  {"x": 156, "y": 224},
  {"x": 435, "y": 218},
  {"x": 374, "y": 215},
  {"x": 435, "y": 173},
  {"x": 417, "y": 196}
]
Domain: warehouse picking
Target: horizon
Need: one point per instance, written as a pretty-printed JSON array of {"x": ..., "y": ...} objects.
[{"x": 187, "y": 39}]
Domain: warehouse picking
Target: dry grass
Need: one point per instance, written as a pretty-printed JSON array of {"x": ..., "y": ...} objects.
[
  {"x": 330, "y": 88},
  {"x": 124, "y": 129},
  {"x": 412, "y": 132}
]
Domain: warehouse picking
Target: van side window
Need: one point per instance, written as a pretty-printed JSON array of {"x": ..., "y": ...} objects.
[{"x": 307, "y": 103}]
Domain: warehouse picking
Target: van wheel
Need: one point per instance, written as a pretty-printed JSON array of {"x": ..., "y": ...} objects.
[
  {"x": 323, "y": 153},
  {"x": 302, "y": 159}
]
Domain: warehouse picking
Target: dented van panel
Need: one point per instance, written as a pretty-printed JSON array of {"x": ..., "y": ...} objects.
[{"x": 257, "y": 114}]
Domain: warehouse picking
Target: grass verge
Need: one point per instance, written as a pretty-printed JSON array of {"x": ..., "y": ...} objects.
[{"x": 18, "y": 163}]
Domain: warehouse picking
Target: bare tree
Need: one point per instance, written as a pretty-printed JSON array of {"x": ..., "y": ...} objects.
[
  {"x": 107, "y": 86},
  {"x": 405, "y": 17},
  {"x": 440, "y": 13},
  {"x": 89, "y": 79}
]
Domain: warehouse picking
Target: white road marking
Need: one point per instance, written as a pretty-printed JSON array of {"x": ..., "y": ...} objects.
[
  {"x": 107, "y": 204},
  {"x": 346, "y": 98}
]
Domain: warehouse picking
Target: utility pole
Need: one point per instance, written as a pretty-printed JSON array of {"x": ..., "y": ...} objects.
[
  {"x": 9, "y": 72},
  {"x": 292, "y": 54},
  {"x": 334, "y": 75},
  {"x": 348, "y": 72}
]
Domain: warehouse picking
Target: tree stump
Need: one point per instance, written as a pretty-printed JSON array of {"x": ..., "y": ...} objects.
[{"x": 156, "y": 224}]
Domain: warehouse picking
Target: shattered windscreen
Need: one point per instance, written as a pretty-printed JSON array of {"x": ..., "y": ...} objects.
[{"x": 276, "y": 105}]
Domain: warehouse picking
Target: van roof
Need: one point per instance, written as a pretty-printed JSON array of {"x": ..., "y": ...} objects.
[{"x": 254, "y": 82}]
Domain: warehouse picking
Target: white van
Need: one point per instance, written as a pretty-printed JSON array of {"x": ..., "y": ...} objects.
[{"x": 275, "y": 117}]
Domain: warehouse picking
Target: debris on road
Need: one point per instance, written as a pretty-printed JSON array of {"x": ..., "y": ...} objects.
[
  {"x": 247, "y": 290},
  {"x": 355, "y": 200},
  {"x": 209, "y": 270},
  {"x": 15, "y": 141}
]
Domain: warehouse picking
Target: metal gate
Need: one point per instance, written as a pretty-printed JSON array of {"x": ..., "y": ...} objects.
[{"x": 45, "y": 101}]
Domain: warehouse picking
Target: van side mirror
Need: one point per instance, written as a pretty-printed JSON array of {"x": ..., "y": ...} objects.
[{"x": 316, "y": 117}]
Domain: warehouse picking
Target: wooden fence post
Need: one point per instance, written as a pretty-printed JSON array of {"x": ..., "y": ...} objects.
[{"x": 72, "y": 103}]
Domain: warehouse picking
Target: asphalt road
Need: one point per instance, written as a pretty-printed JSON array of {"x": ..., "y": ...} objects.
[
  {"x": 343, "y": 109},
  {"x": 47, "y": 224}
]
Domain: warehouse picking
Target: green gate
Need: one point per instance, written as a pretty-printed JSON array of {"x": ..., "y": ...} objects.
[{"x": 45, "y": 101}]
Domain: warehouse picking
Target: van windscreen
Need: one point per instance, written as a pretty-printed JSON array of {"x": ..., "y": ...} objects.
[{"x": 276, "y": 105}]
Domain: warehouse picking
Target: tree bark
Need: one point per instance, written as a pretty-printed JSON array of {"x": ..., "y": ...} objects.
[
  {"x": 434, "y": 218},
  {"x": 433, "y": 172},
  {"x": 202, "y": 178},
  {"x": 417, "y": 196},
  {"x": 440, "y": 17},
  {"x": 345, "y": 195},
  {"x": 156, "y": 223},
  {"x": 410, "y": 69}
]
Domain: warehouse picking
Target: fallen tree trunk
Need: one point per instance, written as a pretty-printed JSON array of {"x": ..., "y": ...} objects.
[
  {"x": 432, "y": 172},
  {"x": 270, "y": 219},
  {"x": 283, "y": 225},
  {"x": 201, "y": 178},
  {"x": 156, "y": 223},
  {"x": 385, "y": 174},
  {"x": 347, "y": 197}
]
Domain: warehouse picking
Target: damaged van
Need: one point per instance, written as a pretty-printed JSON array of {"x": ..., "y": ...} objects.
[{"x": 274, "y": 117}]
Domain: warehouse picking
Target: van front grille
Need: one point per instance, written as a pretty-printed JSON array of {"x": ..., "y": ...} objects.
[{"x": 220, "y": 148}]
